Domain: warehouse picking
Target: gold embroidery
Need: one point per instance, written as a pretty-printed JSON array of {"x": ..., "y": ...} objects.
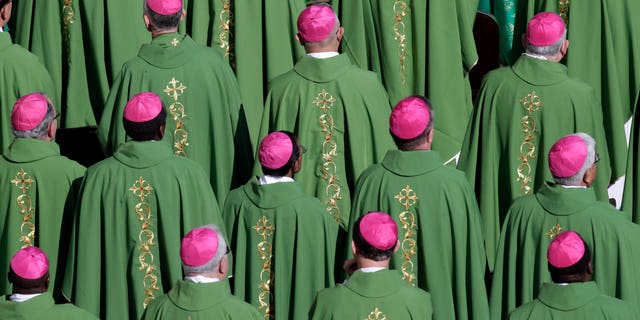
[
  {"x": 264, "y": 228},
  {"x": 376, "y": 314},
  {"x": 554, "y": 231},
  {"x": 142, "y": 189},
  {"x": 531, "y": 104},
  {"x": 325, "y": 102},
  {"x": 226, "y": 22},
  {"x": 399, "y": 12},
  {"x": 174, "y": 90},
  {"x": 564, "y": 10},
  {"x": 23, "y": 181},
  {"x": 175, "y": 42},
  {"x": 407, "y": 198},
  {"x": 67, "y": 19}
]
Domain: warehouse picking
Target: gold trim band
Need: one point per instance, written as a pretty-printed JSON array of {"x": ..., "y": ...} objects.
[{"x": 23, "y": 181}]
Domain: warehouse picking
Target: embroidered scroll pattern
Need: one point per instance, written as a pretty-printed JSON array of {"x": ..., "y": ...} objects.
[
  {"x": 226, "y": 22},
  {"x": 376, "y": 314},
  {"x": 554, "y": 231},
  {"x": 407, "y": 198},
  {"x": 265, "y": 229},
  {"x": 399, "y": 12},
  {"x": 564, "y": 10},
  {"x": 23, "y": 181},
  {"x": 67, "y": 20},
  {"x": 531, "y": 103},
  {"x": 175, "y": 89},
  {"x": 142, "y": 189},
  {"x": 325, "y": 102}
]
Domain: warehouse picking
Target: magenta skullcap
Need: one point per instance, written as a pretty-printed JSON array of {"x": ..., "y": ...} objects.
[
  {"x": 144, "y": 106},
  {"x": 29, "y": 111},
  {"x": 544, "y": 29},
  {"x": 567, "y": 156},
  {"x": 30, "y": 263},
  {"x": 409, "y": 118},
  {"x": 198, "y": 247},
  {"x": 316, "y": 22},
  {"x": 379, "y": 230},
  {"x": 565, "y": 250},
  {"x": 275, "y": 150},
  {"x": 165, "y": 7}
]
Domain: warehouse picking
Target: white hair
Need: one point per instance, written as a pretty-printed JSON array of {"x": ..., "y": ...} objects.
[
  {"x": 211, "y": 265},
  {"x": 576, "y": 179}
]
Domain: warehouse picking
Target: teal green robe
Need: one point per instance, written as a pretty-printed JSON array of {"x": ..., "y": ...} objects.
[
  {"x": 133, "y": 210},
  {"x": 20, "y": 73},
  {"x": 205, "y": 119},
  {"x": 377, "y": 295},
  {"x": 531, "y": 224},
  {"x": 37, "y": 191},
  {"x": 504, "y": 157},
  {"x": 41, "y": 308},
  {"x": 197, "y": 301},
  {"x": 418, "y": 47},
  {"x": 283, "y": 245},
  {"x": 340, "y": 114},
  {"x": 440, "y": 231},
  {"x": 579, "y": 300}
]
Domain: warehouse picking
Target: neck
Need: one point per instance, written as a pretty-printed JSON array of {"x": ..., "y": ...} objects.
[
  {"x": 363, "y": 262},
  {"x": 19, "y": 290},
  {"x": 156, "y": 33}
]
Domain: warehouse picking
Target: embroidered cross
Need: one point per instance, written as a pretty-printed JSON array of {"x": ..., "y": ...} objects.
[
  {"x": 554, "y": 231},
  {"x": 407, "y": 197},
  {"x": 264, "y": 228},
  {"x": 175, "y": 42},
  {"x": 174, "y": 89},
  {"x": 322, "y": 99},
  {"x": 22, "y": 180},
  {"x": 141, "y": 188}
]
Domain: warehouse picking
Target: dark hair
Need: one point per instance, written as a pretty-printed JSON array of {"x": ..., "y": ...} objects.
[
  {"x": 160, "y": 21},
  {"x": 411, "y": 144},
  {"x": 143, "y": 131},
  {"x": 573, "y": 273},
  {"x": 295, "y": 155},
  {"x": 4, "y": 3},
  {"x": 29, "y": 285},
  {"x": 365, "y": 249}
]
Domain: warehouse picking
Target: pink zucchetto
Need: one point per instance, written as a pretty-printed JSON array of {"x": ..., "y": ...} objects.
[
  {"x": 30, "y": 263},
  {"x": 379, "y": 230},
  {"x": 567, "y": 156},
  {"x": 565, "y": 250},
  {"x": 275, "y": 150},
  {"x": 316, "y": 22},
  {"x": 544, "y": 29},
  {"x": 144, "y": 106},
  {"x": 198, "y": 247},
  {"x": 409, "y": 118},
  {"x": 29, "y": 111},
  {"x": 165, "y": 7}
]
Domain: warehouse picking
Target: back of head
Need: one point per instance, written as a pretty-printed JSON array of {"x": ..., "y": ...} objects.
[
  {"x": 410, "y": 122},
  {"x": 318, "y": 25},
  {"x": 163, "y": 14},
  {"x": 545, "y": 35},
  {"x": 375, "y": 236},
  {"x": 29, "y": 271},
  {"x": 202, "y": 250},
  {"x": 32, "y": 115},
  {"x": 569, "y": 258},
  {"x": 144, "y": 116},
  {"x": 570, "y": 158},
  {"x": 278, "y": 153}
]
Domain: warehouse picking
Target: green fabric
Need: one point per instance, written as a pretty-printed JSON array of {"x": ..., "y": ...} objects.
[
  {"x": 217, "y": 134},
  {"x": 52, "y": 180},
  {"x": 343, "y": 138},
  {"x": 293, "y": 260},
  {"x": 429, "y": 45},
  {"x": 20, "y": 73},
  {"x": 113, "y": 226},
  {"x": 492, "y": 154},
  {"x": 505, "y": 13},
  {"x": 631, "y": 194},
  {"x": 441, "y": 226},
  {"x": 366, "y": 294},
  {"x": 41, "y": 308},
  {"x": 532, "y": 221},
  {"x": 189, "y": 300},
  {"x": 581, "y": 300}
]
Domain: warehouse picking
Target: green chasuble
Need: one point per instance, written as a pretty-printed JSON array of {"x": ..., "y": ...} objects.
[
  {"x": 579, "y": 300},
  {"x": 205, "y": 119},
  {"x": 34, "y": 183},
  {"x": 520, "y": 113},
  {"x": 442, "y": 248},
  {"x": 533, "y": 221},
  {"x": 340, "y": 113},
  {"x": 20, "y": 73},
  {"x": 631, "y": 195},
  {"x": 41, "y": 308},
  {"x": 283, "y": 245},
  {"x": 133, "y": 210},
  {"x": 418, "y": 47},
  {"x": 199, "y": 301},
  {"x": 372, "y": 295}
]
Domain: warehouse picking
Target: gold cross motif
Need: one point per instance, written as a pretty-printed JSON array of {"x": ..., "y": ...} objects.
[
  {"x": 175, "y": 42},
  {"x": 376, "y": 314},
  {"x": 141, "y": 188},
  {"x": 407, "y": 197},
  {"x": 22, "y": 180},
  {"x": 264, "y": 228},
  {"x": 174, "y": 89},
  {"x": 322, "y": 99},
  {"x": 531, "y": 102},
  {"x": 554, "y": 231}
]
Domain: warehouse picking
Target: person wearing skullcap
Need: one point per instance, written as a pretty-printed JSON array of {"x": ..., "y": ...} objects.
[
  {"x": 38, "y": 187},
  {"x": 572, "y": 294},
  {"x": 206, "y": 122},
  {"x": 373, "y": 291},
  {"x": 204, "y": 292},
  {"x": 335, "y": 109},
  {"x": 567, "y": 203},
  {"x": 133, "y": 209},
  {"x": 520, "y": 112},
  {"x": 436, "y": 210},
  {"x": 283, "y": 240},
  {"x": 30, "y": 296}
]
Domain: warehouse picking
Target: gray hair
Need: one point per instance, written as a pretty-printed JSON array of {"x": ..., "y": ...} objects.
[
  {"x": 212, "y": 265},
  {"x": 547, "y": 50},
  {"x": 41, "y": 129},
  {"x": 576, "y": 179}
]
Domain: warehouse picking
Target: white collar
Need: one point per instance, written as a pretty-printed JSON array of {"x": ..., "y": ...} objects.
[
  {"x": 323, "y": 55},
  {"x": 201, "y": 279},
  {"x": 574, "y": 187},
  {"x": 371, "y": 269},
  {"x": 273, "y": 179},
  {"x": 17, "y": 297},
  {"x": 535, "y": 56}
]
